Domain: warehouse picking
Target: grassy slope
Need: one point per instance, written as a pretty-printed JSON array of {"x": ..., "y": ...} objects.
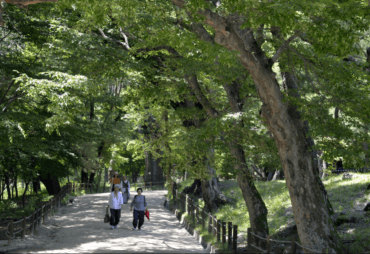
[{"x": 345, "y": 196}]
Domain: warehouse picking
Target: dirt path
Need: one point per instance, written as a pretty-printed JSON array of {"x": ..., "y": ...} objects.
[{"x": 80, "y": 229}]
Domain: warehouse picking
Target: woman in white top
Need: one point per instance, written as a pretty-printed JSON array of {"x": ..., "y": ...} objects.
[{"x": 115, "y": 202}]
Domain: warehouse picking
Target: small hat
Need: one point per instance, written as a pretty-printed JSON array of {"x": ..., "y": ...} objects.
[
  {"x": 117, "y": 185},
  {"x": 116, "y": 172}
]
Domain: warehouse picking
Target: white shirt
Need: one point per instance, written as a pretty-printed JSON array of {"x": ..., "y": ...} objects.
[{"x": 115, "y": 203}]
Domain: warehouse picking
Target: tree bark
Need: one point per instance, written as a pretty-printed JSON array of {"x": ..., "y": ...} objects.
[
  {"x": 24, "y": 194},
  {"x": 36, "y": 185},
  {"x": 210, "y": 190},
  {"x": 256, "y": 207},
  {"x": 51, "y": 183},
  {"x": 84, "y": 176},
  {"x": 16, "y": 186},
  {"x": 312, "y": 215},
  {"x": 7, "y": 182},
  {"x": 92, "y": 177}
]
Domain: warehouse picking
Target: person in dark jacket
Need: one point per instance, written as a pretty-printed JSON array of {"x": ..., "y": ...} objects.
[
  {"x": 140, "y": 206},
  {"x": 125, "y": 190}
]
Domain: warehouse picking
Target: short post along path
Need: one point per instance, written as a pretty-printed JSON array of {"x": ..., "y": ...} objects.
[{"x": 80, "y": 229}]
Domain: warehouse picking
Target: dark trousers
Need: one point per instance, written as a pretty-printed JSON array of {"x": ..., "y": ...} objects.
[
  {"x": 138, "y": 215},
  {"x": 114, "y": 218}
]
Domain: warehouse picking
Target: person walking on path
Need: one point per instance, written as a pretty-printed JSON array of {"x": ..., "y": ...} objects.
[
  {"x": 140, "y": 206},
  {"x": 125, "y": 190},
  {"x": 115, "y": 180},
  {"x": 115, "y": 202}
]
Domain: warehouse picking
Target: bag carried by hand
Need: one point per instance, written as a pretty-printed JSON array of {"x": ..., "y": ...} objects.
[{"x": 106, "y": 217}]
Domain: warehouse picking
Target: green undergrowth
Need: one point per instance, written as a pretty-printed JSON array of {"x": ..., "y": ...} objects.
[
  {"x": 347, "y": 196},
  {"x": 14, "y": 208},
  {"x": 184, "y": 184},
  {"x": 208, "y": 237}
]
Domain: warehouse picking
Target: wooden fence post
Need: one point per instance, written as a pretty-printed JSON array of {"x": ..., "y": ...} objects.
[
  {"x": 58, "y": 200},
  {"x": 11, "y": 230},
  {"x": 293, "y": 246},
  {"x": 203, "y": 220},
  {"x": 214, "y": 221},
  {"x": 173, "y": 196},
  {"x": 268, "y": 245},
  {"x": 249, "y": 239},
  {"x": 44, "y": 210},
  {"x": 187, "y": 204},
  {"x": 144, "y": 185},
  {"x": 32, "y": 222},
  {"x": 175, "y": 199},
  {"x": 197, "y": 215},
  {"x": 223, "y": 232},
  {"x": 53, "y": 206},
  {"x": 23, "y": 227},
  {"x": 235, "y": 238},
  {"x": 218, "y": 231},
  {"x": 39, "y": 216},
  {"x": 229, "y": 233},
  {"x": 192, "y": 212},
  {"x": 150, "y": 184},
  {"x": 48, "y": 210}
]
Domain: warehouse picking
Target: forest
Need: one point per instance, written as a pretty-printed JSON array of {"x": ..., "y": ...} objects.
[{"x": 195, "y": 89}]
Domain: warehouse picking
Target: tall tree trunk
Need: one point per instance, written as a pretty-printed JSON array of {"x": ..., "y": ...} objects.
[
  {"x": 311, "y": 210},
  {"x": 24, "y": 194},
  {"x": 36, "y": 185},
  {"x": 84, "y": 176},
  {"x": 153, "y": 171},
  {"x": 92, "y": 176},
  {"x": 99, "y": 181},
  {"x": 210, "y": 190},
  {"x": 256, "y": 207},
  {"x": 7, "y": 182},
  {"x": 51, "y": 183},
  {"x": 16, "y": 186}
]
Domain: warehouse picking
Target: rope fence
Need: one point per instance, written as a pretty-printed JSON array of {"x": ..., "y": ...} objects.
[
  {"x": 338, "y": 171},
  {"x": 226, "y": 232},
  {"x": 37, "y": 215}
]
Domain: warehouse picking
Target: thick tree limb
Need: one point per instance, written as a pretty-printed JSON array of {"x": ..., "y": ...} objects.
[
  {"x": 114, "y": 40},
  {"x": 193, "y": 82},
  {"x": 283, "y": 47},
  {"x": 125, "y": 37}
]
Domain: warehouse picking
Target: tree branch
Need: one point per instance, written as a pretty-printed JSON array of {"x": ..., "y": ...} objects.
[
  {"x": 193, "y": 82},
  {"x": 116, "y": 41},
  {"x": 283, "y": 47},
  {"x": 125, "y": 37}
]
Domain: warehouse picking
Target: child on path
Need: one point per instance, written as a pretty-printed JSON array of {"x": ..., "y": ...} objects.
[
  {"x": 140, "y": 206},
  {"x": 115, "y": 202}
]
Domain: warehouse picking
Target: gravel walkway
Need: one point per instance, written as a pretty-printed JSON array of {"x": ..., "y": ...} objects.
[{"x": 80, "y": 229}]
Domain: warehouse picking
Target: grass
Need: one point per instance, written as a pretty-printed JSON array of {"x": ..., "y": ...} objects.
[{"x": 344, "y": 195}]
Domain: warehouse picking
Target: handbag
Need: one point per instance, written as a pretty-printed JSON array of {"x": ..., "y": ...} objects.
[{"x": 106, "y": 217}]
